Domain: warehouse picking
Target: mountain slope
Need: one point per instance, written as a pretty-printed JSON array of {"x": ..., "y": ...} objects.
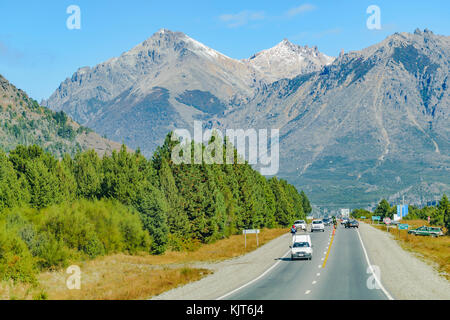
[
  {"x": 163, "y": 83},
  {"x": 288, "y": 60},
  {"x": 23, "y": 121},
  {"x": 371, "y": 124},
  {"x": 366, "y": 125}
]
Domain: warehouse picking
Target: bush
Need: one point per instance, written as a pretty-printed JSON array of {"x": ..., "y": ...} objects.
[
  {"x": 50, "y": 253},
  {"x": 16, "y": 261},
  {"x": 33, "y": 239},
  {"x": 97, "y": 227}
]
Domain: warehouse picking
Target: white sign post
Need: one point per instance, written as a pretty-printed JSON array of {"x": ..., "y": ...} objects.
[
  {"x": 251, "y": 231},
  {"x": 387, "y": 221}
]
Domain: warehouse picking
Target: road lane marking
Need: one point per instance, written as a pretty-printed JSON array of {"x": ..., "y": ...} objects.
[
  {"x": 328, "y": 253},
  {"x": 308, "y": 292},
  {"x": 323, "y": 259},
  {"x": 254, "y": 280},
  {"x": 318, "y": 274},
  {"x": 314, "y": 282},
  {"x": 373, "y": 272}
]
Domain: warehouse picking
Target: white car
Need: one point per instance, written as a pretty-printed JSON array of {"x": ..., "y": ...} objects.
[
  {"x": 301, "y": 247},
  {"x": 300, "y": 225},
  {"x": 317, "y": 225}
]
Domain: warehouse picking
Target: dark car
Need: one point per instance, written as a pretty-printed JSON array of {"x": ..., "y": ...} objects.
[
  {"x": 352, "y": 224},
  {"x": 327, "y": 221}
]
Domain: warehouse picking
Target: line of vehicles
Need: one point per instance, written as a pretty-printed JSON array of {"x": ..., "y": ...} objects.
[{"x": 301, "y": 247}]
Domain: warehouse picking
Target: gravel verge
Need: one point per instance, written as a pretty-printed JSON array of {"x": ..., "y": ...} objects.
[
  {"x": 230, "y": 274},
  {"x": 403, "y": 274}
]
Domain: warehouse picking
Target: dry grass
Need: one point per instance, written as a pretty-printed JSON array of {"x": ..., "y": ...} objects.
[
  {"x": 113, "y": 279},
  {"x": 124, "y": 277},
  {"x": 218, "y": 251},
  {"x": 435, "y": 250}
]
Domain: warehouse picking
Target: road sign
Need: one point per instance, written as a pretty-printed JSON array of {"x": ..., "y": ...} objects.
[
  {"x": 376, "y": 218},
  {"x": 363, "y": 217},
  {"x": 403, "y": 226},
  {"x": 387, "y": 220},
  {"x": 251, "y": 231}
]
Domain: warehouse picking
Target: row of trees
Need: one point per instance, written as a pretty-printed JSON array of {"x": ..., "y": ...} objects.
[
  {"x": 179, "y": 206},
  {"x": 439, "y": 215}
]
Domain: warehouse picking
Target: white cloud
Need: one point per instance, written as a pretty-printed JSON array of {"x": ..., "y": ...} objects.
[
  {"x": 300, "y": 9},
  {"x": 242, "y": 18}
]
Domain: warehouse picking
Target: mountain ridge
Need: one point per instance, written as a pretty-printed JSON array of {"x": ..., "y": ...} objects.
[
  {"x": 23, "y": 121},
  {"x": 200, "y": 83},
  {"x": 348, "y": 125}
]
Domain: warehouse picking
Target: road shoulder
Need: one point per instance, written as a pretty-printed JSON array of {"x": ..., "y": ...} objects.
[
  {"x": 231, "y": 274},
  {"x": 404, "y": 275}
]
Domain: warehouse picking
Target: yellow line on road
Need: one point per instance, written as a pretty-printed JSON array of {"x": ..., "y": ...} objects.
[{"x": 328, "y": 253}]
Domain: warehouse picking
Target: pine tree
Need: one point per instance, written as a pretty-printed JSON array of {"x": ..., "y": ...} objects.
[
  {"x": 177, "y": 219},
  {"x": 441, "y": 215},
  {"x": 306, "y": 204},
  {"x": 10, "y": 188},
  {"x": 153, "y": 211},
  {"x": 88, "y": 174},
  {"x": 444, "y": 205}
]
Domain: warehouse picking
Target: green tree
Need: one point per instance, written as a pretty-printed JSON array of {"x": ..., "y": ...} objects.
[
  {"x": 38, "y": 170},
  {"x": 10, "y": 188},
  {"x": 177, "y": 219},
  {"x": 441, "y": 216},
  {"x": 152, "y": 207},
  {"x": 88, "y": 174},
  {"x": 383, "y": 209},
  {"x": 306, "y": 204}
]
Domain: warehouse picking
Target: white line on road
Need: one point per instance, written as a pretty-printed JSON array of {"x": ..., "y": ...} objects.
[
  {"x": 314, "y": 282},
  {"x": 308, "y": 292},
  {"x": 318, "y": 274},
  {"x": 254, "y": 280},
  {"x": 371, "y": 269}
]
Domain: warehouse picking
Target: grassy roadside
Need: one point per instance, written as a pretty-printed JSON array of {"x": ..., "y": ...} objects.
[
  {"x": 125, "y": 277},
  {"x": 435, "y": 250}
]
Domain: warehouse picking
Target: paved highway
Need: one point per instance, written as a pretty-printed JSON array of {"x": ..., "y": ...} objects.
[{"x": 338, "y": 270}]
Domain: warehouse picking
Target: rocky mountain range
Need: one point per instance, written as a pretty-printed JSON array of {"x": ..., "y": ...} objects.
[
  {"x": 23, "y": 121},
  {"x": 368, "y": 124},
  {"x": 168, "y": 81},
  {"x": 287, "y": 60},
  {"x": 371, "y": 124}
]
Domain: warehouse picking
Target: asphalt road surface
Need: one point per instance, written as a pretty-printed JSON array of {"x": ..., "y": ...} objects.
[{"x": 337, "y": 271}]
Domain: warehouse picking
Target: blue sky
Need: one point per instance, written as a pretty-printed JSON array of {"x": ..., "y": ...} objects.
[{"x": 37, "y": 51}]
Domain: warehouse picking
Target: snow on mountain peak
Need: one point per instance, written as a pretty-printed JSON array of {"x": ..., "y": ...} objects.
[{"x": 287, "y": 59}]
